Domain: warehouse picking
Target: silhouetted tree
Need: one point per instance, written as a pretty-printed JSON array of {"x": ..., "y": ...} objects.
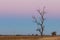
[
  {"x": 53, "y": 33},
  {"x": 41, "y": 22}
]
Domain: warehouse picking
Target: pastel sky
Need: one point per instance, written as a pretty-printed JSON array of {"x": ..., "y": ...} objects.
[{"x": 16, "y": 16}]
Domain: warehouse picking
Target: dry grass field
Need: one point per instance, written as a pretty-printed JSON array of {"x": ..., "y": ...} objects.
[{"x": 29, "y": 38}]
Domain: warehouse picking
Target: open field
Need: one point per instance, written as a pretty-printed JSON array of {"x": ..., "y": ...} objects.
[
  {"x": 29, "y": 38},
  {"x": 18, "y": 37}
]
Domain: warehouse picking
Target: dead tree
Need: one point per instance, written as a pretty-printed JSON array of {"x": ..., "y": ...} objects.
[{"x": 41, "y": 22}]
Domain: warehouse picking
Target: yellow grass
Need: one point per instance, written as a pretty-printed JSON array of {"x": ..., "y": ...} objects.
[{"x": 29, "y": 38}]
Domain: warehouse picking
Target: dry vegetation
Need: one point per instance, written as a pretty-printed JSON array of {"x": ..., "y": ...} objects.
[{"x": 29, "y": 38}]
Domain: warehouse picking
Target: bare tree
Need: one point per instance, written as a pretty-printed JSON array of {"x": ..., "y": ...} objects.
[{"x": 41, "y": 22}]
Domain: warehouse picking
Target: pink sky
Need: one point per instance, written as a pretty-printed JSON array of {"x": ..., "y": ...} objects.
[
  {"x": 27, "y": 7},
  {"x": 21, "y": 9}
]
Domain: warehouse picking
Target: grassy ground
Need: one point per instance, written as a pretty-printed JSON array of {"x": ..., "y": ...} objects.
[{"x": 29, "y": 38}]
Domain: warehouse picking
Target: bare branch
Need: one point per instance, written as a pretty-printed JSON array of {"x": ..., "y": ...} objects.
[
  {"x": 38, "y": 30},
  {"x": 43, "y": 10},
  {"x": 35, "y": 19},
  {"x": 39, "y": 12}
]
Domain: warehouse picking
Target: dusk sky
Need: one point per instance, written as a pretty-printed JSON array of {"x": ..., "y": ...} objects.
[{"x": 16, "y": 16}]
